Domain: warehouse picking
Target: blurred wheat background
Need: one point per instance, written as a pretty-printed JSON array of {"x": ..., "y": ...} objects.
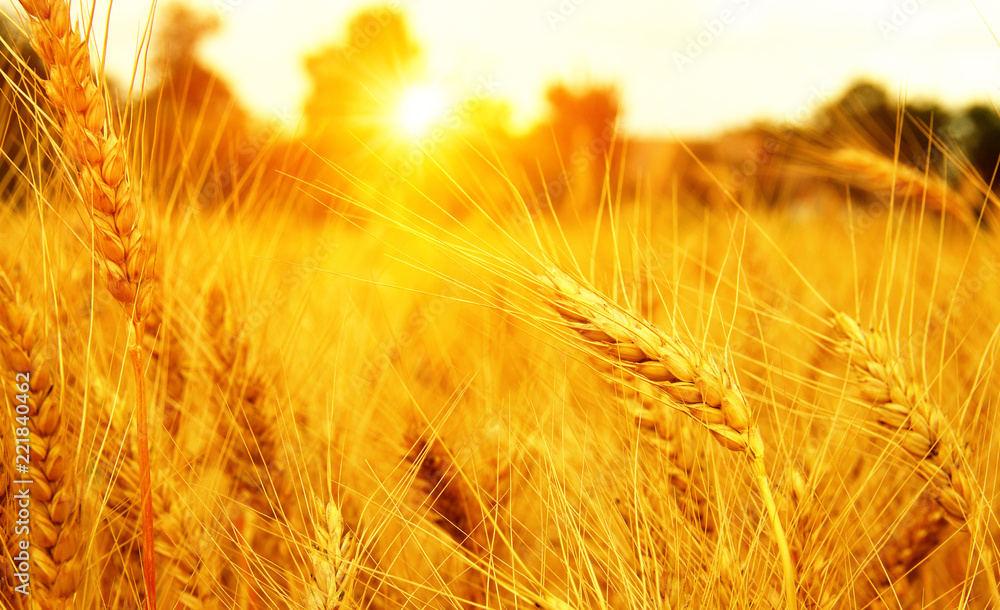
[{"x": 398, "y": 353}]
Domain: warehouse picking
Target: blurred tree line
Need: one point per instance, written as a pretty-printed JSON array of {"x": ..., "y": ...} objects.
[
  {"x": 198, "y": 142},
  {"x": 866, "y": 114}
]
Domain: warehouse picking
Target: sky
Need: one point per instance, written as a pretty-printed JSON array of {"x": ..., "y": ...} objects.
[{"x": 685, "y": 67}]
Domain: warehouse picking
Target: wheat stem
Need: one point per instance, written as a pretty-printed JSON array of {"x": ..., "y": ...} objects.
[
  {"x": 104, "y": 183},
  {"x": 685, "y": 379}
]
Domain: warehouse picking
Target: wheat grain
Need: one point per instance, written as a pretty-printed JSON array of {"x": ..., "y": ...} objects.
[
  {"x": 685, "y": 379},
  {"x": 55, "y": 535},
  {"x": 902, "y": 407},
  {"x": 332, "y": 557},
  {"x": 920, "y": 428},
  {"x": 103, "y": 180}
]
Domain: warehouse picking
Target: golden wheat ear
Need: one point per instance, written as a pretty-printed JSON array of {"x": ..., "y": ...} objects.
[
  {"x": 34, "y": 400},
  {"x": 452, "y": 500},
  {"x": 875, "y": 173},
  {"x": 103, "y": 179},
  {"x": 903, "y": 408},
  {"x": 98, "y": 152},
  {"x": 683, "y": 377},
  {"x": 332, "y": 555}
]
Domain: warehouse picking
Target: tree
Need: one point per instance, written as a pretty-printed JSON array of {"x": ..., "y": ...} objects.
[
  {"x": 194, "y": 125},
  {"x": 584, "y": 124},
  {"x": 355, "y": 85},
  {"x": 585, "y": 117},
  {"x": 977, "y": 129}
]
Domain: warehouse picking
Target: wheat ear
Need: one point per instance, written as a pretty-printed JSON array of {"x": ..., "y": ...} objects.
[
  {"x": 903, "y": 408},
  {"x": 808, "y": 531},
  {"x": 685, "y": 379},
  {"x": 449, "y": 496},
  {"x": 673, "y": 436},
  {"x": 235, "y": 370},
  {"x": 672, "y": 433},
  {"x": 873, "y": 172},
  {"x": 99, "y": 154},
  {"x": 54, "y": 533},
  {"x": 332, "y": 557},
  {"x": 104, "y": 183},
  {"x": 917, "y": 537}
]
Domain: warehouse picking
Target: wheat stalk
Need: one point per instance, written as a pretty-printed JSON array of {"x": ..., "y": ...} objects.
[
  {"x": 188, "y": 547},
  {"x": 55, "y": 535},
  {"x": 686, "y": 380},
  {"x": 873, "y": 172},
  {"x": 332, "y": 557},
  {"x": 808, "y": 533},
  {"x": 903, "y": 408},
  {"x": 102, "y": 176}
]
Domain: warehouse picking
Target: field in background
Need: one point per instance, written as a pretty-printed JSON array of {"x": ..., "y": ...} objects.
[{"x": 506, "y": 370}]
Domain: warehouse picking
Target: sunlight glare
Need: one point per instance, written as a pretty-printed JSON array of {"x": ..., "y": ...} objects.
[{"x": 420, "y": 108}]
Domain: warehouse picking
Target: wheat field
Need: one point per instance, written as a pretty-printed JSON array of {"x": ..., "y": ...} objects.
[{"x": 338, "y": 394}]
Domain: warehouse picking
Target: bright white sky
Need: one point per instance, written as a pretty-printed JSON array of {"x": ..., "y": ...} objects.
[{"x": 683, "y": 66}]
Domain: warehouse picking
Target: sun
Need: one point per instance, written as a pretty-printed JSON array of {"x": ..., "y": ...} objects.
[{"x": 420, "y": 107}]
